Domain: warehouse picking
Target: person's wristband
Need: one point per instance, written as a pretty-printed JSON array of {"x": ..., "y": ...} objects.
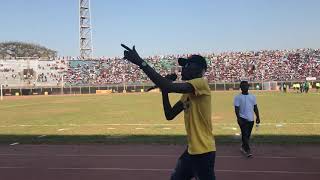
[{"x": 143, "y": 65}]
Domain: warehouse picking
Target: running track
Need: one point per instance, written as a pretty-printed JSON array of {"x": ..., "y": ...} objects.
[{"x": 153, "y": 162}]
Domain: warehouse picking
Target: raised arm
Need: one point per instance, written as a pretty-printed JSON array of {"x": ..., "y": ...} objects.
[{"x": 163, "y": 83}]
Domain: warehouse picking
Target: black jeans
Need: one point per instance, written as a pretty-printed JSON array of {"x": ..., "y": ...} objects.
[
  {"x": 200, "y": 166},
  {"x": 246, "y": 128}
]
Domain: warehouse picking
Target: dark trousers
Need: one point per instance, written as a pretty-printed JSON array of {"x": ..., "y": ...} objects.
[
  {"x": 246, "y": 128},
  {"x": 200, "y": 166}
]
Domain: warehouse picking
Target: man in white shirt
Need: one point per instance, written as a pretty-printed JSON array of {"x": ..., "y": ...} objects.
[{"x": 245, "y": 104}]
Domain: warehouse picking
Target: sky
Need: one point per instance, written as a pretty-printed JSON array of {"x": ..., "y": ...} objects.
[{"x": 160, "y": 27}]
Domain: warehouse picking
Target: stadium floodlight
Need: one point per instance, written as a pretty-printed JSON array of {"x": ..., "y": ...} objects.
[
  {"x": 1, "y": 85},
  {"x": 85, "y": 30}
]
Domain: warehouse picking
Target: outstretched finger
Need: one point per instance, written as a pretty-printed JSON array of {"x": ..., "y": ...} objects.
[
  {"x": 126, "y": 47},
  {"x": 125, "y": 53}
]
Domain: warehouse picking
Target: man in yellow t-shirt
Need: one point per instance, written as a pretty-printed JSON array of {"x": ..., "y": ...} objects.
[
  {"x": 199, "y": 158},
  {"x": 197, "y": 117}
]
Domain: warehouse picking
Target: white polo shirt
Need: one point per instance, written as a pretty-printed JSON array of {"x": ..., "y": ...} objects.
[{"x": 246, "y": 104}]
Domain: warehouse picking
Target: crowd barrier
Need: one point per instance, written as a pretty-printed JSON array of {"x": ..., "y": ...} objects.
[{"x": 126, "y": 88}]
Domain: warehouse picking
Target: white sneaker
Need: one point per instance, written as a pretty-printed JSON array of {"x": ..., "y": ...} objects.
[
  {"x": 243, "y": 151},
  {"x": 249, "y": 154}
]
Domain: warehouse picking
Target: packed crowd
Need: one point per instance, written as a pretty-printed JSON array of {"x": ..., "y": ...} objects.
[
  {"x": 275, "y": 65},
  {"x": 267, "y": 65}
]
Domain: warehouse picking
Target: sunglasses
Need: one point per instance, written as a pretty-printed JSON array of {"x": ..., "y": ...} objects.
[{"x": 179, "y": 68}]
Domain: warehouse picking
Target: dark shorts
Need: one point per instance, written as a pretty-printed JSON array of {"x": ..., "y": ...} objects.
[{"x": 200, "y": 166}]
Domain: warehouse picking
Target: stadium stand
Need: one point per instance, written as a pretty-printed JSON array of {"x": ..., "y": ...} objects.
[{"x": 266, "y": 65}]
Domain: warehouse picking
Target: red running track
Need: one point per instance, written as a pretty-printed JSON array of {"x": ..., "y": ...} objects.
[{"x": 153, "y": 162}]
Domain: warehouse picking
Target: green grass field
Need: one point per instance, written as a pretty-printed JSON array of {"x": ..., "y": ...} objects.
[{"x": 139, "y": 118}]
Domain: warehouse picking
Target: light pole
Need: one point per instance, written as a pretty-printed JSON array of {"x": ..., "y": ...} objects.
[{"x": 1, "y": 92}]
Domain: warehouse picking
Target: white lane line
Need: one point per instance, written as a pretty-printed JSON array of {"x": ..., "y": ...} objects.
[
  {"x": 23, "y": 105},
  {"x": 42, "y": 136},
  {"x": 12, "y": 167},
  {"x": 271, "y": 157},
  {"x": 28, "y": 125},
  {"x": 230, "y": 128},
  {"x": 112, "y": 155},
  {"x": 13, "y": 144},
  {"x": 150, "y": 169},
  {"x": 153, "y": 155},
  {"x": 111, "y": 169},
  {"x": 91, "y": 155},
  {"x": 81, "y": 125},
  {"x": 129, "y": 155},
  {"x": 218, "y": 170},
  {"x": 269, "y": 172}
]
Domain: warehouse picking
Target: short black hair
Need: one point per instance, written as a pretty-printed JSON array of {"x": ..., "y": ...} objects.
[{"x": 244, "y": 82}]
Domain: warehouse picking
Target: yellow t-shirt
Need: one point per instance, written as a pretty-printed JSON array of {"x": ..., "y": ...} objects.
[{"x": 197, "y": 118}]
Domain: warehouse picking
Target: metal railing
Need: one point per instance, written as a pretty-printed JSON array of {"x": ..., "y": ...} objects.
[{"x": 119, "y": 88}]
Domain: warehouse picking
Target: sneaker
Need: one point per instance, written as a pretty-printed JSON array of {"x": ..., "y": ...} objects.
[
  {"x": 243, "y": 151},
  {"x": 249, "y": 154}
]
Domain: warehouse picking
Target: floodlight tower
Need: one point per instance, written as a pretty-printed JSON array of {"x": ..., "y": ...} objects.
[{"x": 85, "y": 30}]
